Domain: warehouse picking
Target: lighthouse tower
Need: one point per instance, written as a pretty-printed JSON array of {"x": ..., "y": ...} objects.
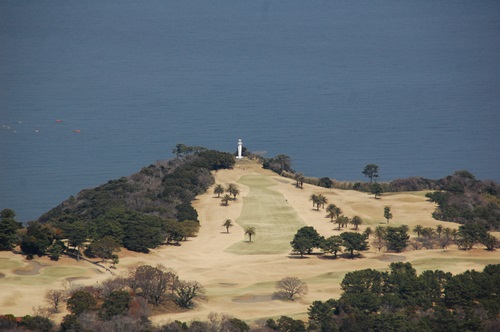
[{"x": 240, "y": 149}]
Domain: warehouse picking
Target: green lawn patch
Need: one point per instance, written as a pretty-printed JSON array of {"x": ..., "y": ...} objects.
[
  {"x": 7, "y": 264},
  {"x": 274, "y": 219}
]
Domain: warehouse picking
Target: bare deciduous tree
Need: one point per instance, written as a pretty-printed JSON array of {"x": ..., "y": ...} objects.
[
  {"x": 186, "y": 292},
  {"x": 54, "y": 297},
  {"x": 290, "y": 287},
  {"x": 153, "y": 282}
]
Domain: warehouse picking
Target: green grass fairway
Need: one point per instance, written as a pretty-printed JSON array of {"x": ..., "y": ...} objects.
[
  {"x": 275, "y": 221},
  {"x": 48, "y": 275}
]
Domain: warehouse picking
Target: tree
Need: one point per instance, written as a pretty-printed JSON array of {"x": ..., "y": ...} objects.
[
  {"x": 368, "y": 231},
  {"x": 56, "y": 250},
  {"x": 418, "y": 229},
  {"x": 396, "y": 238},
  {"x": 36, "y": 323},
  {"x": 104, "y": 248},
  {"x": 471, "y": 233},
  {"x": 250, "y": 231},
  {"x": 331, "y": 210},
  {"x": 114, "y": 260},
  {"x": 332, "y": 245},
  {"x": 186, "y": 292},
  {"x": 321, "y": 315},
  {"x": 219, "y": 190},
  {"x": 379, "y": 232},
  {"x": 71, "y": 323},
  {"x": 232, "y": 189},
  {"x": 305, "y": 240},
  {"x": 302, "y": 245},
  {"x": 76, "y": 233},
  {"x": 439, "y": 230},
  {"x": 342, "y": 220},
  {"x": 318, "y": 200},
  {"x": 376, "y": 189},
  {"x": 490, "y": 242},
  {"x": 225, "y": 200},
  {"x": 325, "y": 182},
  {"x": 227, "y": 223},
  {"x": 387, "y": 213},
  {"x": 286, "y": 324},
  {"x": 284, "y": 162},
  {"x": 81, "y": 301},
  {"x": 322, "y": 200},
  {"x": 371, "y": 171},
  {"x": 8, "y": 229},
  {"x": 299, "y": 178},
  {"x": 116, "y": 303},
  {"x": 152, "y": 283},
  {"x": 37, "y": 238},
  {"x": 356, "y": 221},
  {"x": 54, "y": 297},
  {"x": 314, "y": 199},
  {"x": 354, "y": 242},
  {"x": 290, "y": 287}
]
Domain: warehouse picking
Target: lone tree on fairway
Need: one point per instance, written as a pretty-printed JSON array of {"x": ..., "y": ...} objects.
[
  {"x": 314, "y": 198},
  {"x": 371, "y": 171},
  {"x": 250, "y": 231},
  {"x": 322, "y": 200},
  {"x": 219, "y": 190},
  {"x": 290, "y": 287},
  {"x": 319, "y": 200},
  {"x": 225, "y": 200},
  {"x": 356, "y": 221},
  {"x": 387, "y": 213},
  {"x": 232, "y": 189},
  {"x": 331, "y": 211},
  {"x": 228, "y": 223},
  {"x": 299, "y": 177}
]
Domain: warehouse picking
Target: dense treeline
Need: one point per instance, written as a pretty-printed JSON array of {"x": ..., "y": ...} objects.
[{"x": 401, "y": 300}]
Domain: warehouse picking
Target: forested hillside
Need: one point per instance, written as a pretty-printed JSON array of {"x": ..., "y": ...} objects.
[{"x": 142, "y": 210}]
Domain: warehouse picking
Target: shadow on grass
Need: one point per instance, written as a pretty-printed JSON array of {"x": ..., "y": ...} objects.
[{"x": 297, "y": 256}]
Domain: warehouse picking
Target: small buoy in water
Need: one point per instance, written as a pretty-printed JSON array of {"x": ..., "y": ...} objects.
[
  {"x": 37, "y": 131},
  {"x": 76, "y": 130}
]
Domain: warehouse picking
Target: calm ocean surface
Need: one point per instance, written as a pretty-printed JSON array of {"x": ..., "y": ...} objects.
[{"x": 412, "y": 86}]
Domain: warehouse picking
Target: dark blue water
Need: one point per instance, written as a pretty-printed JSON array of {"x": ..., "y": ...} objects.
[{"x": 411, "y": 86}]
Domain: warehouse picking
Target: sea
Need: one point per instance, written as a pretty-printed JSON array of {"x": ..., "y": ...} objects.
[{"x": 95, "y": 90}]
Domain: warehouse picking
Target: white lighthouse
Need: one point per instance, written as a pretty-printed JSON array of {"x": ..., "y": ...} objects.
[{"x": 240, "y": 149}]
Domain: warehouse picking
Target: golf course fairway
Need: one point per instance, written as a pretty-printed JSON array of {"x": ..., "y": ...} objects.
[{"x": 273, "y": 218}]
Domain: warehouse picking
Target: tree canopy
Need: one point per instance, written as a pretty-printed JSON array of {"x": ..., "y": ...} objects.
[{"x": 371, "y": 171}]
